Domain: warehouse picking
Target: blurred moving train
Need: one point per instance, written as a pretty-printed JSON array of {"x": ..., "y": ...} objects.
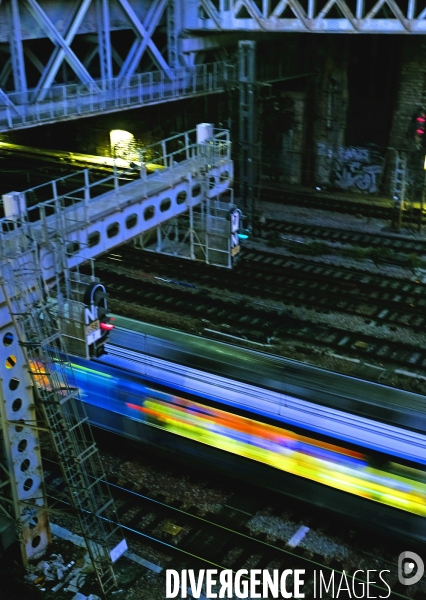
[
  {"x": 352, "y": 395},
  {"x": 372, "y": 471}
]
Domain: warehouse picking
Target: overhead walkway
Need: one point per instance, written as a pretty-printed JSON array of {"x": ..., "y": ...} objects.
[
  {"x": 89, "y": 221},
  {"x": 47, "y": 232}
]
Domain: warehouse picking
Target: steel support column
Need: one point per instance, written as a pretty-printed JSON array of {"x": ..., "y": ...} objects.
[
  {"x": 247, "y": 123},
  {"x": 16, "y": 50},
  {"x": 172, "y": 34},
  {"x": 22, "y": 494},
  {"x": 104, "y": 40}
]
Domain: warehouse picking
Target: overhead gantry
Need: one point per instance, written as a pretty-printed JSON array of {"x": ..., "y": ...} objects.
[{"x": 41, "y": 290}]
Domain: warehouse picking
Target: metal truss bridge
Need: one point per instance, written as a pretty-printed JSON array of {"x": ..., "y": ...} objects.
[
  {"x": 64, "y": 60},
  {"x": 319, "y": 16}
]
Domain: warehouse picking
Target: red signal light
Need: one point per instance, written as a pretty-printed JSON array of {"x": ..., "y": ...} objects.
[
  {"x": 420, "y": 128},
  {"x": 107, "y": 326}
]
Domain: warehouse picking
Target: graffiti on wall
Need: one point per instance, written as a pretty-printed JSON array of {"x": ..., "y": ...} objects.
[{"x": 349, "y": 168}]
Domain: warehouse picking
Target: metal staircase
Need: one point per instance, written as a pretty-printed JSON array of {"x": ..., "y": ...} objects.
[{"x": 57, "y": 397}]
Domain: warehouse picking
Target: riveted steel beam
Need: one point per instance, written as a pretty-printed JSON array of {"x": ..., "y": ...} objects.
[
  {"x": 335, "y": 16},
  {"x": 22, "y": 499},
  {"x": 4, "y": 98},
  {"x": 104, "y": 39},
  {"x": 144, "y": 32},
  {"x": 172, "y": 34},
  {"x": 211, "y": 11},
  {"x": 247, "y": 123},
  {"x": 63, "y": 50},
  {"x": 16, "y": 49}
]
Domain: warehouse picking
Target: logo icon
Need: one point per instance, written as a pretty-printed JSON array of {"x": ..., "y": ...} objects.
[{"x": 410, "y": 568}]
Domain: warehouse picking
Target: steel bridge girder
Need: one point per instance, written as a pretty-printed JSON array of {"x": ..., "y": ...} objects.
[
  {"x": 293, "y": 16},
  {"x": 63, "y": 47}
]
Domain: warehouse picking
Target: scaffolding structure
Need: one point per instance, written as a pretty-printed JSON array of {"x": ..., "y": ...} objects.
[{"x": 202, "y": 233}]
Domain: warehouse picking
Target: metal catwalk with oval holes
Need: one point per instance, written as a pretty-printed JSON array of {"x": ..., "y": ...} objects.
[{"x": 89, "y": 216}]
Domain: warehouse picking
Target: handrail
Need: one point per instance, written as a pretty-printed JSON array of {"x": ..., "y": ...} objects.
[
  {"x": 71, "y": 205},
  {"x": 62, "y": 102}
]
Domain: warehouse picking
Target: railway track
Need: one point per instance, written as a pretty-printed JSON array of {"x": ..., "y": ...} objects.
[
  {"x": 227, "y": 539},
  {"x": 222, "y": 541},
  {"x": 259, "y": 300},
  {"x": 297, "y": 281},
  {"x": 337, "y": 203},
  {"x": 395, "y": 242},
  {"x": 293, "y": 282}
]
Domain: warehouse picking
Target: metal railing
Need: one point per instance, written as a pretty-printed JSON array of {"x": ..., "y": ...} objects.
[
  {"x": 62, "y": 205},
  {"x": 62, "y": 102}
]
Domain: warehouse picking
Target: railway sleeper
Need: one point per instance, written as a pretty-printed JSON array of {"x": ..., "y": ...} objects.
[
  {"x": 208, "y": 543},
  {"x": 135, "y": 520}
]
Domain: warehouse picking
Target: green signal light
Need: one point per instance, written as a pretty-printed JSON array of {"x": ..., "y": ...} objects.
[{"x": 244, "y": 234}]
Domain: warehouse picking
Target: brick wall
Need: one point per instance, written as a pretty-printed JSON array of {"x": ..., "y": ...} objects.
[
  {"x": 330, "y": 112},
  {"x": 411, "y": 97},
  {"x": 411, "y": 93}
]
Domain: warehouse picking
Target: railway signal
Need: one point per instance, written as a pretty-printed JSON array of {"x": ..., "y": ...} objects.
[
  {"x": 420, "y": 128},
  {"x": 97, "y": 319}
]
